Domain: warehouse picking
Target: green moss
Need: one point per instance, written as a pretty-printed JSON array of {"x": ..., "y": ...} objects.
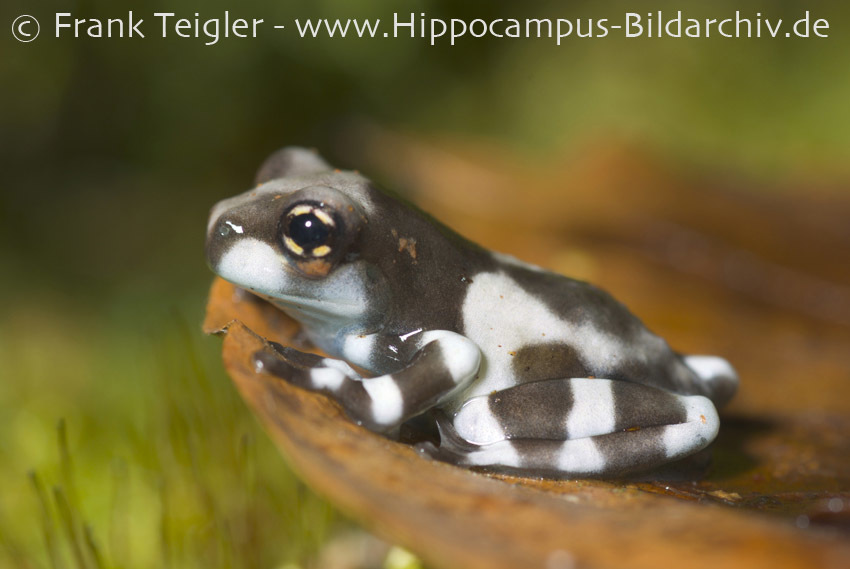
[{"x": 140, "y": 454}]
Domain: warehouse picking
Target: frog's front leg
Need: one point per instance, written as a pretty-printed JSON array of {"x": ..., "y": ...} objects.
[
  {"x": 578, "y": 427},
  {"x": 445, "y": 363}
]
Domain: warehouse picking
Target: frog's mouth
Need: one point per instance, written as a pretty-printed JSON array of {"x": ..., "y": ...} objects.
[
  {"x": 253, "y": 265},
  {"x": 339, "y": 299}
]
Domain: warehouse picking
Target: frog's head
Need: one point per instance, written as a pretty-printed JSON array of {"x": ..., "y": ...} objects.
[{"x": 293, "y": 240}]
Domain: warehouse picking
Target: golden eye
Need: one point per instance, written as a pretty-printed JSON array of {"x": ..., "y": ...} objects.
[{"x": 308, "y": 231}]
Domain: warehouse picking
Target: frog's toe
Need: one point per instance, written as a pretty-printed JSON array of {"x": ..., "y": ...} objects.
[
  {"x": 276, "y": 364},
  {"x": 297, "y": 358},
  {"x": 452, "y": 447},
  {"x": 427, "y": 449},
  {"x": 445, "y": 452},
  {"x": 303, "y": 369}
]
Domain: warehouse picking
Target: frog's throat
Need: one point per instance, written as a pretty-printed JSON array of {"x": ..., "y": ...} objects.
[{"x": 311, "y": 311}]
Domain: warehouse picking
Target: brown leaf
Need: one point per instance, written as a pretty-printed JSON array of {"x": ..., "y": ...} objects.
[
  {"x": 453, "y": 517},
  {"x": 758, "y": 279}
]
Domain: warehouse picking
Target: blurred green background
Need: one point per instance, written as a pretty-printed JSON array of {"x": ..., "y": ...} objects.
[{"x": 122, "y": 443}]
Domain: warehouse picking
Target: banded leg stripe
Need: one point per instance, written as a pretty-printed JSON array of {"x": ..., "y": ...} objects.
[
  {"x": 567, "y": 409},
  {"x": 446, "y": 362},
  {"x": 584, "y": 426},
  {"x": 611, "y": 454}
]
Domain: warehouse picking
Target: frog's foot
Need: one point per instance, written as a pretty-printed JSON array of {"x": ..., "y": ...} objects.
[
  {"x": 309, "y": 371},
  {"x": 445, "y": 363},
  {"x": 717, "y": 375},
  {"x": 582, "y": 427},
  {"x": 326, "y": 375},
  {"x": 452, "y": 448}
]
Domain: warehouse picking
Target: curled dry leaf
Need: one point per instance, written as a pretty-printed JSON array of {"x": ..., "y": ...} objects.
[{"x": 452, "y": 518}]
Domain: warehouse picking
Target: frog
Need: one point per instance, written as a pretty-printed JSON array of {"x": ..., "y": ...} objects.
[{"x": 516, "y": 368}]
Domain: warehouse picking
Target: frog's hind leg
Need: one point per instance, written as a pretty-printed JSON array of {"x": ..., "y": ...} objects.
[{"x": 580, "y": 426}]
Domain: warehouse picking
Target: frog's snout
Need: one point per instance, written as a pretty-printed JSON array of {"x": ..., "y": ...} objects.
[
  {"x": 215, "y": 235},
  {"x": 220, "y": 233},
  {"x": 239, "y": 247},
  {"x": 229, "y": 221}
]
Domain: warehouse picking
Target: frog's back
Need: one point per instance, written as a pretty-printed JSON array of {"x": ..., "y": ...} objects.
[{"x": 533, "y": 325}]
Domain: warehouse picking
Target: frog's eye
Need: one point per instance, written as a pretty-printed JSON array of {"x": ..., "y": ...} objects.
[
  {"x": 308, "y": 231},
  {"x": 317, "y": 229}
]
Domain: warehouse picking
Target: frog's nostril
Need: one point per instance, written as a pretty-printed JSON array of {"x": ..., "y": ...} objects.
[
  {"x": 223, "y": 233},
  {"x": 226, "y": 228}
]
